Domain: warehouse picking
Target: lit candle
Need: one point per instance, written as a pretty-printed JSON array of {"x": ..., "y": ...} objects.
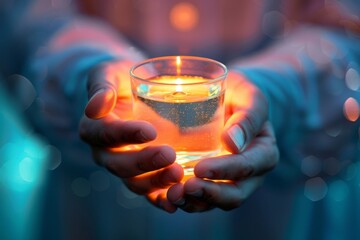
[{"x": 185, "y": 107}]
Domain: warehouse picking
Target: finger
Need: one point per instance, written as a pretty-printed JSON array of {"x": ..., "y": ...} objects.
[
  {"x": 101, "y": 103},
  {"x": 102, "y": 88},
  {"x": 131, "y": 163},
  {"x": 260, "y": 157},
  {"x": 188, "y": 203},
  {"x": 115, "y": 133},
  {"x": 155, "y": 180},
  {"x": 158, "y": 198},
  {"x": 175, "y": 194},
  {"x": 247, "y": 111},
  {"x": 222, "y": 195},
  {"x": 194, "y": 204}
]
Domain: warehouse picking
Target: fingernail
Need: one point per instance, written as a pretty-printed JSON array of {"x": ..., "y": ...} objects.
[
  {"x": 96, "y": 93},
  {"x": 237, "y": 136},
  {"x": 142, "y": 137},
  {"x": 197, "y": 193},
  {"x": 101, "y": 103},
  {"x": 180, "y": 202}
]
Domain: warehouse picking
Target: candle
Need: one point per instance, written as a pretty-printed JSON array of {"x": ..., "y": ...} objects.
[{"x": 186, "y": 109}]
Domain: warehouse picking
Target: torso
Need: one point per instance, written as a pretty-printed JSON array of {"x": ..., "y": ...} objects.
[{"x": 210, "y": 28}]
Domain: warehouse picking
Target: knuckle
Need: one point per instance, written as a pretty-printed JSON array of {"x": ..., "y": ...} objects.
[
  {"x": 244, "y": 166},
  {"x": 247, "y": 169},
  {"x": 105, "y": 138},
  {"x": 141, "y": 165}
]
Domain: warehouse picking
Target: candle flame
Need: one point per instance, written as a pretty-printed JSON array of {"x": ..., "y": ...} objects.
[{"x": 178, "y": 65}]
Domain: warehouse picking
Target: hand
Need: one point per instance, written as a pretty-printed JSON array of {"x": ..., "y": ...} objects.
[
  {"x": 249, "y": 138},
  {"x": 107, "y": 127}
]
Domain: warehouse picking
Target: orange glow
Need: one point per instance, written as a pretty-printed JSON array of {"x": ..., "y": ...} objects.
[
  {"x": 178, "y": 61},
  {"x": 153, "y": 196},
  {"x": 178, "y": 65},
  {"x": 178, "y": 81},
  {"x": 125, "y": 148},
  {"x": 179, "y": 88},
  {"x": 351, "y": 109},
  {"x": 184, "y": 16}
]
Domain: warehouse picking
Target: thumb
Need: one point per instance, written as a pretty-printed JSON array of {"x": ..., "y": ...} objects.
[
  {"x": 240, "y": 130},
  {"x": 101, "y": 103},
  {"x": 102, "y": 84},
  {"x": 248, "y": 112}
]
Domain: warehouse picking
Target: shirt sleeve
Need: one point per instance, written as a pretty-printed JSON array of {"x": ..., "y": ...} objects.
[
  {"x": 311, "y": 79},
  {"x": 54, "y": 47}
]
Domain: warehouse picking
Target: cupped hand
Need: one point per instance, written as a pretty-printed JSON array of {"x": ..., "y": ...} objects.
[
  {"x": 114, "y": 137},
  {"x": 226, "y": 181}
]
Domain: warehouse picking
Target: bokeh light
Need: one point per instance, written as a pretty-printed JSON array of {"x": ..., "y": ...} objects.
[
  {"x": 184, "y": 16},
  {"x": 334, "y": 131},
  {"x": 352, "y": 79},
  {"x": 351, "y": 109},
  {"x": 22, "y": 163},
  {"x": 22, "y": 90},
  {"x": 54, "y": 157},
  {"x": 315, "y": 189}
]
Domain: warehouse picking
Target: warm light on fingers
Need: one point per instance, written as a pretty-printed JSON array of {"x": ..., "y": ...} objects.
[
  {"x": 155, "y": 195},
  {"x": 160, "y": 200},
  {"x": 125, "y": 148}
]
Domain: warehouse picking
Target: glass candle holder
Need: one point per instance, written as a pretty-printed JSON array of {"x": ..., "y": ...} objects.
[{"x": 183, "y": 98}]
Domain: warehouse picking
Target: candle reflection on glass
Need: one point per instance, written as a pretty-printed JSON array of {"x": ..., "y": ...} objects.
[{"x": 183, "y": 98}]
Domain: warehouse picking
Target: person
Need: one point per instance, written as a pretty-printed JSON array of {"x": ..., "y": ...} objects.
[{"x": 285, "y": 67}]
